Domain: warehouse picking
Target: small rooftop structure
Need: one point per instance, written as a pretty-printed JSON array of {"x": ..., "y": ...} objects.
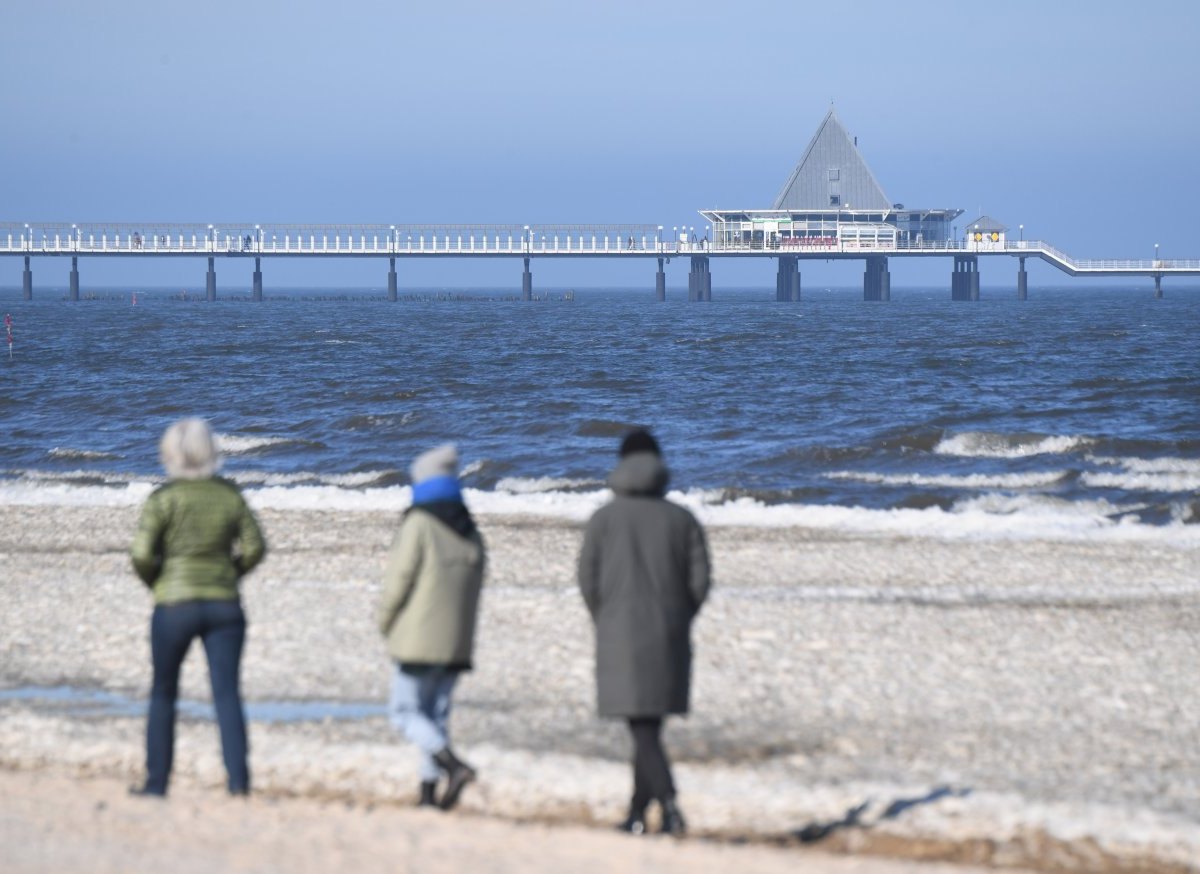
[{"x": 831, "y": 197}]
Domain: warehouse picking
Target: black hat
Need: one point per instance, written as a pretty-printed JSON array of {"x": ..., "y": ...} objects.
[{"x": 639, "y": 441}]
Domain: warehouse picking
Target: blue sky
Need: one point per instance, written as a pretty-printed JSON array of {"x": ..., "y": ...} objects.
[{"x": 1078, "y": 119}]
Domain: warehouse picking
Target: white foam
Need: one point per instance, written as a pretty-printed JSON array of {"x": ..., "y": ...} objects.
[
  {"x": 1032, "y": 480},
  {"x": 240, "y": 444},
  {"x": 1143, "y": 482},
  {"x": 987, "y": 517},
  {"x": 65, "y": 494},
  {"x": 983, "y": 444},
  {"x": 527, "y": 486},
  {"x": 69, "y": 454},
  {"x": 1191, "y": 466},
  {"x": 75, "y": 476},
  {"x": 355, "y": 480},
  {"x": 472, "y": 467},
  {"x": 1146, "y": 474}
]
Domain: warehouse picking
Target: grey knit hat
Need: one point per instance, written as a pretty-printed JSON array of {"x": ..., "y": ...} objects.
[{"x": 439, "y": 461}]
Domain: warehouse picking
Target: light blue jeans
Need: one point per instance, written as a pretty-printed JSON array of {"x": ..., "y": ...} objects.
[{"x": 420, "y": 707}]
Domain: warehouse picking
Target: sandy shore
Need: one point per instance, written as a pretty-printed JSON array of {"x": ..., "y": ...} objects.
[{"x": 1029, "y": 703}]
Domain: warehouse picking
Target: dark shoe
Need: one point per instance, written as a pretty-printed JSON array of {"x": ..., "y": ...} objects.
[
  {"x": 147, "y": 792},
  {"x": 240, "y": 792},
  {"x": 458, "y": 775},
  {"x": 672, "y": 819},
  {"x": 634, "y": 824},
  {"x": 428, "y": 794}
]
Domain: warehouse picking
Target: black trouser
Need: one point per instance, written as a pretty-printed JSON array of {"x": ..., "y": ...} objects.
[
  {"x": 651, "y": 770},
  {"x": 221, "y": 625}
]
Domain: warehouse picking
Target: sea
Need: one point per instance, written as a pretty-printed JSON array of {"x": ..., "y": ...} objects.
[{"x": 1074, "y": 414}]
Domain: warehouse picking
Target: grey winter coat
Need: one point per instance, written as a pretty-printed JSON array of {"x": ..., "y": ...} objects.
[{"x": 644, "y": 573}]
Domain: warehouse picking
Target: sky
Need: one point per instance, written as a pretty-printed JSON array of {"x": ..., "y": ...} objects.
[{"x": 1080, "y": 120}]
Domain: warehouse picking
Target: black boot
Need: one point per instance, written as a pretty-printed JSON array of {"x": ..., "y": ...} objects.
[
  {"x": 672, "y": 819},
  {"x": 458, "y": 775},
  {"x": 147, "y": 791},
  {"x": 428, "y": 794},
  {"x": 635, "y": 822}
]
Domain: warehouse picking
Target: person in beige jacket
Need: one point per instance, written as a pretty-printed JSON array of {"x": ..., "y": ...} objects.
[{"x": 427, "y": 614}]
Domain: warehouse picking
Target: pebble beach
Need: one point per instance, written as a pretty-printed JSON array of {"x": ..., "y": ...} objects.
[{"x": 1017, "y": 703}]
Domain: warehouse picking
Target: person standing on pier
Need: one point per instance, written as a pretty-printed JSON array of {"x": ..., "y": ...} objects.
[
  {"x": 644, "y": 573},
  {"x": 195, "y": 541},
  {"x": 427, "y": 615}
]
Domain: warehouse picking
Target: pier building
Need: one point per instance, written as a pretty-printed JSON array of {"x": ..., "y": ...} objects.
[
  {"x": 831, "y": 208},
  {"x": 830, "y": 202}
]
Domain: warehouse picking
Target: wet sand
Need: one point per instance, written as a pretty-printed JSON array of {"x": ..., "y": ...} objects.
[{"x": 1027, "y": 703}]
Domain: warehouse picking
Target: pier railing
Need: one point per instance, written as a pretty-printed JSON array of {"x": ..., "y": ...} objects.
[{"x": 636, "y": 240}]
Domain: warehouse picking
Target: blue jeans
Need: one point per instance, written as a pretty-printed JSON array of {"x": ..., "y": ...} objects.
[
  {"x": 221, "y": 626},
  {"x": 420, "y": 707}
]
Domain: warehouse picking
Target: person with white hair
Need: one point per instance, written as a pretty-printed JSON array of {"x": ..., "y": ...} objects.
[
  {"x": 427, "y": 613},
  {"x": 195, "y": 540}
]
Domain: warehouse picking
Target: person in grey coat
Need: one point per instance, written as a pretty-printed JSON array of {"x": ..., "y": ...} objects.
[{"x": 644, "y": 573}]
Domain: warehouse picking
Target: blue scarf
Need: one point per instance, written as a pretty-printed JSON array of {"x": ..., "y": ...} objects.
[{"x": 438, "y": 488}]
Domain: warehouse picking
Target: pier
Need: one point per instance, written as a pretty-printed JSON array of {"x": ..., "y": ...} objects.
[
  {"x": 831, "y": 208},
  {"x": 394, "y": 243}
]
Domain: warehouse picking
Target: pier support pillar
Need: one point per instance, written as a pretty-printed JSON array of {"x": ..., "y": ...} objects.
[
  {"x": 210, "y": 285},
  {"x": 877, "y": 281},
  {"x": 660, "y": 283},
  {"x": 1157, "y": 286},
  {"x": 27, "y": 282},
  {"x": 256, "y": 294},
  {"x": 526, "y": 283},
  {"x": 699, "y": 279},
  {"x": 74, "y": 295},
  {"x": 392, "y": 279},
  {"x": 1022, "y": 282},
  {"x": 964, "y": 282},
  {"x": 787, "y": 280}
]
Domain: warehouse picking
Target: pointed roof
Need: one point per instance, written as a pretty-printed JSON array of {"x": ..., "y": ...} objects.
[
  {"x": 831, "y": 166},
  {"x": 986, "y": 223}
]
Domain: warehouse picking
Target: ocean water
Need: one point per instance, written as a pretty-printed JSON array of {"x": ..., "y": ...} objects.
[{"x": 1075, "y": 413}]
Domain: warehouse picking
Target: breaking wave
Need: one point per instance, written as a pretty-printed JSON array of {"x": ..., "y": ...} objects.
[
  {"x": 985, "y": 517},
  {"x": 986, "y": 444}
]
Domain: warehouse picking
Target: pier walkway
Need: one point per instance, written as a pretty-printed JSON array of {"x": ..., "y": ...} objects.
[{"x": 239, "y": 240}]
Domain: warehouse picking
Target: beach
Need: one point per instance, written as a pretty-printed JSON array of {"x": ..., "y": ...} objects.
[{"x": 996, "y": 701}]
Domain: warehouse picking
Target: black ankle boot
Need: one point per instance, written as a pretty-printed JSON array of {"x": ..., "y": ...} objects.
[
  {"x": 147, "y": 791},
  {"x": 428, "y": 794},
  {"x": 458, "y": 775},
  {"x": 672, "y": 819},
  {"x": 635, "y": 822}
]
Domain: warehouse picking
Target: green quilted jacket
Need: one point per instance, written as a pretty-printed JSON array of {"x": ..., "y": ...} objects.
[{"x": 195, "y": 540}]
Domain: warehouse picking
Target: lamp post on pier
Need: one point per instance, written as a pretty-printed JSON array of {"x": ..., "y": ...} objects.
[
  {"x": 1157, "y": 276},
  {"x": 1022, "y": 230}
]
